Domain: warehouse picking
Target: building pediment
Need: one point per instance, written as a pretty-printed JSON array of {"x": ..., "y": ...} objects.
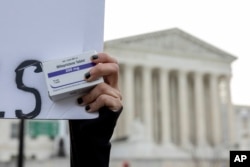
[{"x": 174, "y": 42}]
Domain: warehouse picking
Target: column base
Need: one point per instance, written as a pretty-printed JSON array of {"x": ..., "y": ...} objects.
[
  {"x": 203, "y": 152},
  {"x": 187, "y": 146}
]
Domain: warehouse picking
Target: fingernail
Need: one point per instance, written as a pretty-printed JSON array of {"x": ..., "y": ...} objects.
[
  {"x": 87, "y": 75},
  {"x": 87, "y": 108},
  {"x": 94, "y": 57},
  {"x": 79, "y": 101}
]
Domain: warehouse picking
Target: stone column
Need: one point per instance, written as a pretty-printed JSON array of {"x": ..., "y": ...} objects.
[
  {"x": 230, "y": 112},
  {"x": 174, "y": 107},
  {"x": 129, "y": 97},
  {"x": 147, "y": 103},
  {"x": 183, "y": 110},
  {"x": 215, "y": 110},
  {"x": 165, "y": 106},
  {"x": 200, "y": 118}
]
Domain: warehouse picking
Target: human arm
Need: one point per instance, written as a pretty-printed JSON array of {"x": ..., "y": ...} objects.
[{"x": 90, "y": 139}]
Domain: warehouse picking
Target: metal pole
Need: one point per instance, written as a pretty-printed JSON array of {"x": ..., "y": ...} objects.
[{"x": 20, "y": 161}]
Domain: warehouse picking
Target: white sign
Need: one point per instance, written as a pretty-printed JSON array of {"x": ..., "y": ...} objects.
[{"x": 34, "y": 31}]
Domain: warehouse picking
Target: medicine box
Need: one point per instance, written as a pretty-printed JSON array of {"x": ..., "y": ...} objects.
[{"x": 65, "y": 77}]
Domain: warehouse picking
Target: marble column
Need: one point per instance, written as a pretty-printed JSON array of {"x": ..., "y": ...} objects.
[
  {"x": 230, "y": 112},
  {"x": 174, "y": 107},
  {"x": 200, "y": 121},
  {"x": 129, "y": 97},
  {"x": 147, "y": 103},
  {"x": 165, "y": 106},
  {"x": 183, "y": 110},
  {"x": 215, "y": 110}
]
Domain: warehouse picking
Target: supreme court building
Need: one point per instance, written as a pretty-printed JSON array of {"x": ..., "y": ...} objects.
[{"x": 177, "y": 101}]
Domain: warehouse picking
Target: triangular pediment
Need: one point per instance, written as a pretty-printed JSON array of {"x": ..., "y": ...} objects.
[{"x": 171, "y": 42}]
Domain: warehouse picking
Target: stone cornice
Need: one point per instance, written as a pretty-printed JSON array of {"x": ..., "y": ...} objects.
[{"x": 171, "y": 40}]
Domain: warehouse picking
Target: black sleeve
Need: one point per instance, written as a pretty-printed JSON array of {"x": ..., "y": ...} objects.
[{"x": 90, "y": 139}]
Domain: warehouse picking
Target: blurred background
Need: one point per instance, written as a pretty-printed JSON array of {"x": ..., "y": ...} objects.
[{"x": 183, "y": 76}]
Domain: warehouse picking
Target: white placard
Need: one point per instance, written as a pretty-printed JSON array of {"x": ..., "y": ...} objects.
[{"x": 33, "y": 31}]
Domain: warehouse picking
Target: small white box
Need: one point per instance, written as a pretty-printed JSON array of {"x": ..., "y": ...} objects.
[{"x": 65, "y": 77}]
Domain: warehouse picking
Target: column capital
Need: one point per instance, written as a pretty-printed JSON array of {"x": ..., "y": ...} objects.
[
  {"x": 165, "y": 69},
  {"x": 214, "y": 75},
  {"x": 128, "y": 65},
  {"x": 182, "y": 72},
  {"x": 147, "y": 67},
  {"x": 198, "y": 73}
]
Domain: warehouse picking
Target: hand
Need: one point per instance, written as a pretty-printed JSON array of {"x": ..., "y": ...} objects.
[{"x": 107, "y": 93}]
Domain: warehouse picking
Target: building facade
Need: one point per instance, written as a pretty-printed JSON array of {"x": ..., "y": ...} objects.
[
  {"x": 177, "y": 101},
  {"x": 43, "y": 139},
  {"x": 243, "y": 127}
]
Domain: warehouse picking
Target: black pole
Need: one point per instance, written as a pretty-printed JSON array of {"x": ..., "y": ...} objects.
[{"x": 20, "y": 161}]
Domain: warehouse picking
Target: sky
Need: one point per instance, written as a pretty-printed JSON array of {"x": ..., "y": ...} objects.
[{"x": 222, "y": 23}]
